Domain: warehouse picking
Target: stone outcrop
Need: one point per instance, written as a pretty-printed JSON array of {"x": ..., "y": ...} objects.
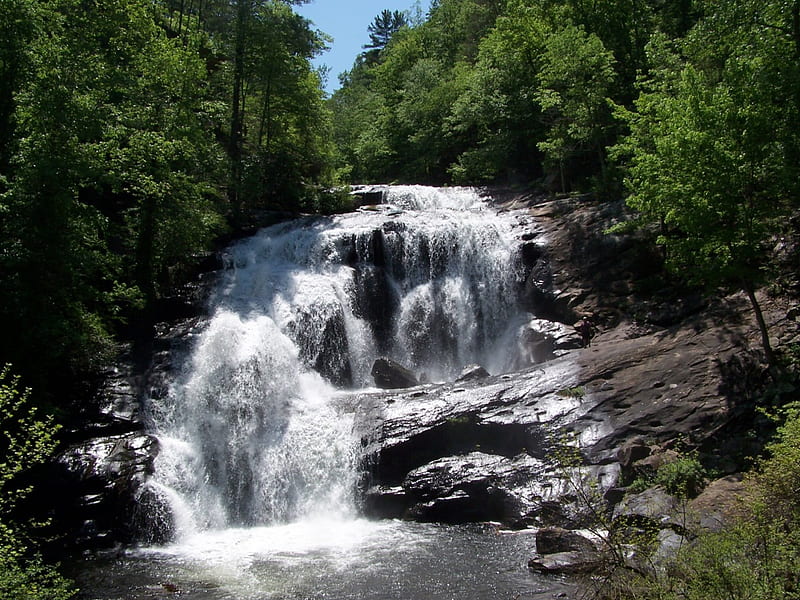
[
  {"x": 96, "y": 490},
  {"x": 560, "y": 551},
  {"x": 666, "y": 366},
  {"x": 472, "y": 372},
  {"x": 368, "y": 195},
  {"x": 552, "y": 540}
]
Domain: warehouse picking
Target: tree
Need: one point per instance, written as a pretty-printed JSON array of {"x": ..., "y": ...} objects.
[
  {"x": 574, "y": 82},
  {"x": 18, "y": 23},
  {"x": 112, "y": 181},
  {"x": 496, "y": 112},
  {"x": 706, "y": 163},
  {"x": 383, "y": 27}
]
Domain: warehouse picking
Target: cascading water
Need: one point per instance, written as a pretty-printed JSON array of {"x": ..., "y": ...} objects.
[
  {"x": 258, "y": 460},
  {"x": 249, "y": 433}
]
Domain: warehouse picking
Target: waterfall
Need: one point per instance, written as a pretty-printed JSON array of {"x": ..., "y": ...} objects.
[{"x": 250, "y": 431}]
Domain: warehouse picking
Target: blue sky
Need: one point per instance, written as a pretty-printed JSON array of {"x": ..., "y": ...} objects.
[{"x": 347, "y": 22}]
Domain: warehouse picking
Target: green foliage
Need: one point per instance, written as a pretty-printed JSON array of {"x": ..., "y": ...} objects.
[
  {"x": 574, "y": 81},
  {"x": 116, "y": 164},
  {"x": 779, "y": 478},
  {"x": 496, "y": 113},
  {"x": 30, "y": 580},
  {"x": 26, "y": 440},
  {"x": 286, "y": 136},
  {"x": 684, "y": 477},
  {"x": 693, "y": 171},
  {"x": 713, "y": 146},
  {"x": 575, "y": 392},
  {"x": 392, "y": 115},
  {"x": 755, "y": 558}
]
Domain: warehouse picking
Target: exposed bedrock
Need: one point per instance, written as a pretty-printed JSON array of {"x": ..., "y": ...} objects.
[
  {"x": 667, "y": 369},
  {"x": 488, "y": 449}
]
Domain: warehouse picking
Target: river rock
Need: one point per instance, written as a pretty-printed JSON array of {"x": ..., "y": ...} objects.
[
  {"x": 552, "y": 540},
  {"x": 566, "y": 563},
  {"x": 651, "y": 508},
  {"x": 368, "y": 195},
  {"x": 473, "y": 487},
  {"x": 472, "y": 372},
  {"x": 631, "y": 452},
  {"x": 719, "y": 504},
  {"x": 100, "y": 482},
  {"x": 389, "y": 374},
  {"x": 541, "y": 340}
]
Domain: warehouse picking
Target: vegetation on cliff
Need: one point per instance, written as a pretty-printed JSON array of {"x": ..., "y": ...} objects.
[
  {"x": 691, "y": 108},
  {"x": 755, "y": 557}
]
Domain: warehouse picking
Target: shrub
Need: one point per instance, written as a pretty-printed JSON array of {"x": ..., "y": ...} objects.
[
  {"x": 684, "y": 477},
  {"x": 26, "y": 440}
]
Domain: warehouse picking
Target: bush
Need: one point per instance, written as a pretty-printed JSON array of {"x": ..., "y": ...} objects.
[
  {"x": 684, "y": 477},
  {"x": 31, "y": 580},
  {"x": 757, "y": 558},
  {"x": 26, "y": 440}
]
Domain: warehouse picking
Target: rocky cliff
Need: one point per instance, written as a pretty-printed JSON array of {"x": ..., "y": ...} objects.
[{"x": 666, "y": 368}]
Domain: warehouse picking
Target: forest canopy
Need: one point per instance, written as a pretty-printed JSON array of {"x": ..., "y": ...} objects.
[
  {"x": 515, "y": 90},
  {"x": 134, "y": 133}
]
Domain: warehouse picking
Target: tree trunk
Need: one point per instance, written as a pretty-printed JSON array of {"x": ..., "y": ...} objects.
[
  {"x": 769, "y": 354},
  {"x": 145, "y": 267},
  {"x": 266, "y": 115},
  {"x": 180, "y": 19}
]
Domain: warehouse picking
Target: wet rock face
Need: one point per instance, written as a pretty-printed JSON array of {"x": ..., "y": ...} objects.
[
  {"x": 472, "y": 487},
  {"x": 99, "y": 485},
  {"x": 96, "y": 489},
  {"x": 552, "y": 540},
  {"x": 487, "y": 449},
  {"x": 367, "y": 195},
  {"x": 472, "y": 372}
]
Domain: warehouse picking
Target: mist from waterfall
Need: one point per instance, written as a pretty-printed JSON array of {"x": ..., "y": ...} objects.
[{"x": 250, "y": 433}]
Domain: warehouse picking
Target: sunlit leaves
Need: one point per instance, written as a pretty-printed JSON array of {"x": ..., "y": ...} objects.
[
  {"x": 574, "y": 82},
  {"x": 26, "y": 441}
]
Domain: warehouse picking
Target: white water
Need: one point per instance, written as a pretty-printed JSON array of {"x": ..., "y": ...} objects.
[
  {"x": 249, "y": 434},
  {"x": 257, "y": 462}
]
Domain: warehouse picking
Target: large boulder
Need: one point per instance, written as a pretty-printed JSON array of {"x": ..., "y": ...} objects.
[
  {"x": 652, "y": 508},
  {"x": 472, "y": 372},
  {"x": 101, "y": 482},
  {"x": 390, "y": 375},
  {"x": 719, "y": 504},
  {"x": 552, "y": 540},
  {"x": 566, "y": 563},
  {"x": 473, "y": 487},
  {"x": 368, "y": 195}
]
